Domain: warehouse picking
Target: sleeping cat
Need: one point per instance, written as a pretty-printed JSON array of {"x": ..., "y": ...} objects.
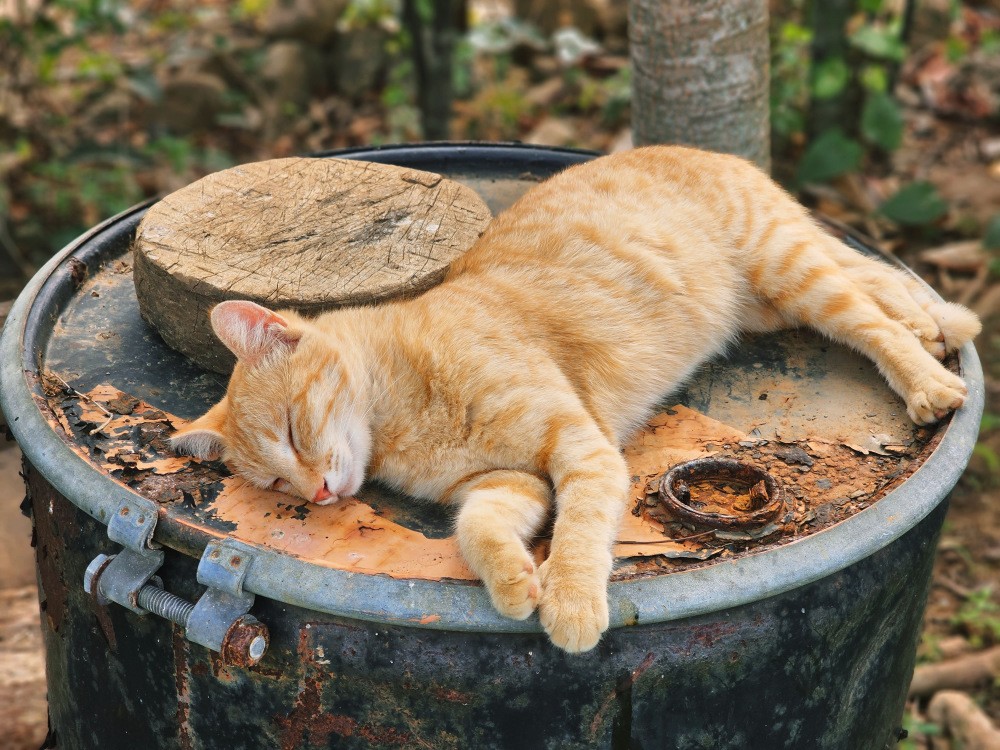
[{"x": 508, "y": 390}]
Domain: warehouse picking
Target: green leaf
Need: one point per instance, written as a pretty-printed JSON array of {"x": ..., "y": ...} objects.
[
  {"x": 830, "y": 77},
  {"x": 955, "y": 49},
  {"x": 253, "y": 8},
  {"x": 875, "y": 78},
  {"x": 989, "y": 42},
  {"x": 991, "y": 240},
  {"x": 870, "y": 6},
  {"x": 795, "y": 34},
  {"x": 882, "y": 121},
  {"x": 828, "y": 156},
  {"x": 786, "y": 121},
  {"x": 879, "y": 42},
  {"x": 916, "y": 204},
  {"x": 989, "y": 422},
  {"x": 425, "y": 10}
]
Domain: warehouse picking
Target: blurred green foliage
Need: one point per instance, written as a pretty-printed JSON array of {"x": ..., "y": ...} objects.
[
  {"x": 979, "y": 618},
  {"x": 862, "y": 137},
  {"x": 797, "y": 83},
  {"x": 71, "y": 154}
]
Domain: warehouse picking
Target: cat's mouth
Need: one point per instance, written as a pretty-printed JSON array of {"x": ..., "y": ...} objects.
[
  {"x": 324, "y": 496},
  {"x": 346, "y": 488}
]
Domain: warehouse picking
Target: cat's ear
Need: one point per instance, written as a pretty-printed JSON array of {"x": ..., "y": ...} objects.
[
  {"x": 204, "y": 436},
  {"x": 250, "y": 331}
]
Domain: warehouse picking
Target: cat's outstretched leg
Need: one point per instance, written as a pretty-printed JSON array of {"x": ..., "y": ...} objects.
[
  {"x": 807, "y": 285},
  {"x": 940, "y": 326},
  {"x": 500, "y": 511},
  {"x": 590, "y": 479}
]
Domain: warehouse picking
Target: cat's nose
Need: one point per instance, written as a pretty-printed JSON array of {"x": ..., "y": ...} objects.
[{"x": 323, "y": 493}]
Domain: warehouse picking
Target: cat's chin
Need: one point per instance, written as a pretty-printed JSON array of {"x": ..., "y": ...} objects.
[
  {"x": 351, "y": 484},
  {"x": 326, "y": 501}
]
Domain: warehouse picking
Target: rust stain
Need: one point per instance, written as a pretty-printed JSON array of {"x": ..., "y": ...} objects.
[
  {"x": 236, "y": 643},
  {"x": 101, "y": 614},
  {"x": 181, "y": 677},
  {"x": 309, "y": 725},
  {"x": 709, "y": 635},
  {"x": 623, "y": 686},
  {"x": 54, "y": 530},
  {"x": 452, "y": 696},
  {"x": 428, "y": 619},
  {"x": 220, "y": 669}
]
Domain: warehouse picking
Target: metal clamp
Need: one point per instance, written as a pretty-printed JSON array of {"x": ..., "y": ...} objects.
[
  {"x": 218, "y": 620},
  {"x": 120, "y": 578}
]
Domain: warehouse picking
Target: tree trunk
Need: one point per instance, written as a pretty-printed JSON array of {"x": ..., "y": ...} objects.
[
  {"x": 701, "y": 74},
  {"x": 433, "y": 41}
]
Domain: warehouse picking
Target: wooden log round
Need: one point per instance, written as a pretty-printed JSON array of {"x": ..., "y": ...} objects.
[{"x": 299, "y": 233}]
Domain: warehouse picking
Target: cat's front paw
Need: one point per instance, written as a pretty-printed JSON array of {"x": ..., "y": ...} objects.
[
  {"x": 573, "y": 609},
  {"x": 940, "y": 392},
  {"x": 516, "y": 594}
]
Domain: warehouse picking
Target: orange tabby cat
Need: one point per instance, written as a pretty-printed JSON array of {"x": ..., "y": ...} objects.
[{"x": 508, "y": 389}]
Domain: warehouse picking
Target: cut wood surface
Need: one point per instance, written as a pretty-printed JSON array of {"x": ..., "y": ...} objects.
[{"x": 306, "y": 234}]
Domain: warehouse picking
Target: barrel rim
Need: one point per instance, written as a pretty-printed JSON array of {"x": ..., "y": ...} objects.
[{"x": 455, "y": 605}]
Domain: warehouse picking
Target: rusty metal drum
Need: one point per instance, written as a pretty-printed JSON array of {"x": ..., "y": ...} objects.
[{"x": 181, "y": 610}]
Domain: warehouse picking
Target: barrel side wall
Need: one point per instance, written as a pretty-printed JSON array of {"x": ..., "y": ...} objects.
[{"x": 825, "y": 665}]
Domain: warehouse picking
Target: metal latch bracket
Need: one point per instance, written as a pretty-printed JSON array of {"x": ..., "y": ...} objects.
[{"x": 218, "y": 620}]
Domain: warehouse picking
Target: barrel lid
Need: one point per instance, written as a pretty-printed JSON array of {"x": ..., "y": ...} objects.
[{"x": 91, "y": 394}]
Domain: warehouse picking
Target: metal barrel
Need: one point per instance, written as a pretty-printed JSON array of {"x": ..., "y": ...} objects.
[{"x": 808, "y": 643}]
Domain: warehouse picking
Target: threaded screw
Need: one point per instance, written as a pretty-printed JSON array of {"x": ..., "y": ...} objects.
[{"x": 163, "y": 603}]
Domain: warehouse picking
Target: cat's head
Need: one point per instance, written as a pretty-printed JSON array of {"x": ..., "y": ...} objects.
[{"x": 293, "y": 417}]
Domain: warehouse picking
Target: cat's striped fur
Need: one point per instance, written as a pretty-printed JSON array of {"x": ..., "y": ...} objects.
[{"x": 508, "y": 389}]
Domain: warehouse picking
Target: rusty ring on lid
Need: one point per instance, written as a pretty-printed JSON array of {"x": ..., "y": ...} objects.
[{"x": 675, "y": 482}]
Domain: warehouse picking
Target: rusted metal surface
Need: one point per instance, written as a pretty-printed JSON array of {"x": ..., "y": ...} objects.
[
  {"x": 750, "y": 496},
  {"x": 245, "y": 642}
]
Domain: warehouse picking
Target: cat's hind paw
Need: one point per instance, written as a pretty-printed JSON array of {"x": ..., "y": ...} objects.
[
  {"x": 940, "y": 393},
  {"x": 516, "y": 596},
  {"x": 573, "y": 614},
  {"x": 958, "y": 324}
]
